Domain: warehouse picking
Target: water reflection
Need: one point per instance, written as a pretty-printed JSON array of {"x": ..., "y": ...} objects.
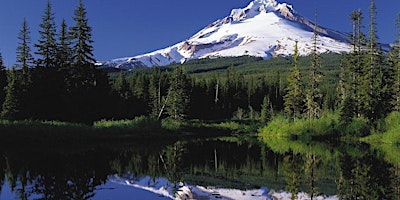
[{"x": 354, "y": 171}]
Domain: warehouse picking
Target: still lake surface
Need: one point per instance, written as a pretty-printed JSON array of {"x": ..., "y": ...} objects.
[{"x": 158, "y": 169}]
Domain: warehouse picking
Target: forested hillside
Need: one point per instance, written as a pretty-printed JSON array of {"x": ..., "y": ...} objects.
[{"x": 224, "y": 88}]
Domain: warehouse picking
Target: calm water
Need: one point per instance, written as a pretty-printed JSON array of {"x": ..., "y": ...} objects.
[{"x": 109, "y": 171}]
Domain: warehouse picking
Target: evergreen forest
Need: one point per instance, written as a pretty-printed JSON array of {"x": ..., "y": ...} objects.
[{"x": 349, "y": 93}]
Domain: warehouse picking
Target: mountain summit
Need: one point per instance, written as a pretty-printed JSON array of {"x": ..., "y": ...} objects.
[{"x": 265, "y": 28}]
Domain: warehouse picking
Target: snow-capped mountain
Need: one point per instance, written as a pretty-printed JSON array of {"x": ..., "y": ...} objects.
[{"x": 265, "y": 28}]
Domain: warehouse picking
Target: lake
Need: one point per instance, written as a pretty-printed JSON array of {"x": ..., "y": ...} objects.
[{"x": 218, "y": 168}]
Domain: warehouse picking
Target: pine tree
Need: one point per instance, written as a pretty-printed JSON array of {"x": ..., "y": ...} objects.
[
  {"x": 85, "y": 84},
  {"x": 121, "y": 86},
  {"x": 314, "y": 95},
  {"x": 265, "y": 110},
  {"x": 155, "y": 87},
  {"x": 47, "y": 45},
  {"x": 294, "y": 91},
  {"x": 81, "y": 72},
  {"x": 24, "y": 62},
  {"x": 3, "y": 81},
  {"x": 395, "y": 63},
  {"x": 351, "y": 72},
  {"x": 81, "y": 34},
  {"x": 64, "y": 51},
  {"x": 373, "y": 88},
  {"x": 357, "y": 65},
  {"x": 12, "y": 105},
  {"x": 24, "y": 56},
  {"x": 178, "y": 94}
]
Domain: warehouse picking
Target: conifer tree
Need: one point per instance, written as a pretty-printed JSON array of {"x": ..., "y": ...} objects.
[
  {"x": 313, "y": 95},
  {"x": 81, "y": 34},
  {"x": 265, "y": 110},
  {"x": 64, "y": 51},
  {"x": 294, "y": 90},
  {"x": 178, "y": 95},
  {"x": 81, "y": 71},
  {"x": 47, "y": 45},
  {"x": 357, "y": 66},
  {"x": 395, "y": 63},
  {"x": 3, "y": 81},
  {"x": 24, "y": 56},
  {"x": 11, "y": 108},
  {"x": 122, "y": 87},
  {"x": 373, "y": 88},
  {"x": 351, "y": 72},
  {"x": 155, "y": 85},
  {"x": 85, "y": 85},
  {"x": 24, "y": 62}
]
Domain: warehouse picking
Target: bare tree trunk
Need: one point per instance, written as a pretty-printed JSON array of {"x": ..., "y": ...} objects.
[{"x": 163, "y": 107}]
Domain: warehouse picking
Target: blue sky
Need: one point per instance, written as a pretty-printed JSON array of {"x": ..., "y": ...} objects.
[{"x": 130, "y": 27}]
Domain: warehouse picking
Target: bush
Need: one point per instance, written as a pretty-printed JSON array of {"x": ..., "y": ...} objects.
[
  {"x": 171, "y": 124},
  {"x": 388, "y": 132},
  {"x": 281, "y": 126},
  {"x": 357, "y": 127}
]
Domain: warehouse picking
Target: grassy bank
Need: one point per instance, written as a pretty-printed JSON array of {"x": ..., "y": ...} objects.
[
  {"x": 328, "y": 125},
  {"x": 137, "y": 128},
  {"x": 283, "y": 127},
  {"x": 388, "y": 131}
]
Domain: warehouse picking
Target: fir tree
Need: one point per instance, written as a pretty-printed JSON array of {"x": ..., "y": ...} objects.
[
  {"x": 314, "y": 95},
  {"x": 80, "y": 72},
  {"x": 24, "y": 61},
  {"x": 294, "y": 90},
  {"x": 155, "y": 85},
  {"x": 121, "y": 86},
  {"x": 85, "y": 85},
  {"x": 395, "y": 64},
  {"x": 178, "y": 95},
  {"x": 350, "y": 78},
  {"x": 81, "y": 34},
  {"x": 64, "y": 51},
  {"x": 24, "y": 56},
  {"x": 3, "y": 81},
  {"x": 47, "y": 45},
  {"x": 11, "y": 106},
  {"x": 265, "y": 110},
  {"x": 373, "y": 88}
]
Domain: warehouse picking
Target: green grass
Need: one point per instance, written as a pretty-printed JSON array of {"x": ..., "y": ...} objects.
[
  {"x": 137, "y": 128},
  {"x": 54, "y": 131},
  {"x": 329, "y": 125},
  {"x": 284, "y": 127},
  {"x": 388, "y": 131},
  {"x": 138, "y": 124},
  {"x": 386, "y": 140}
]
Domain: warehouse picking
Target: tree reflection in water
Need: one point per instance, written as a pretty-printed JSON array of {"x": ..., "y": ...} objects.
[{"x": 66, "y": 172}]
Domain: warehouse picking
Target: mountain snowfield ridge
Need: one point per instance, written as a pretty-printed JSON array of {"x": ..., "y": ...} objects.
[{"x": 265, "y": 28}]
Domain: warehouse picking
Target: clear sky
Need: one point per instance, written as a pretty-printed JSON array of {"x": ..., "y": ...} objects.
[{"x": 131, "y": 27}]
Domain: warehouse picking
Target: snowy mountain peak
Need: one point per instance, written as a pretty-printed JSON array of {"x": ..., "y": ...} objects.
[
  {"x": 260, "y": 6},
  {"x": 267, "y": 3},
  {"x": 264, "y": 28}
]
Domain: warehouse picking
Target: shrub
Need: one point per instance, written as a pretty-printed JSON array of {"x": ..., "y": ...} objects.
[
  {"x": 281, "y": 126},
  {"x": 357, "y": 127},
  {"x": 171, "y": 124},
  {"x": 137, "y": 124},
  {"x": 388, "y": 132}
]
